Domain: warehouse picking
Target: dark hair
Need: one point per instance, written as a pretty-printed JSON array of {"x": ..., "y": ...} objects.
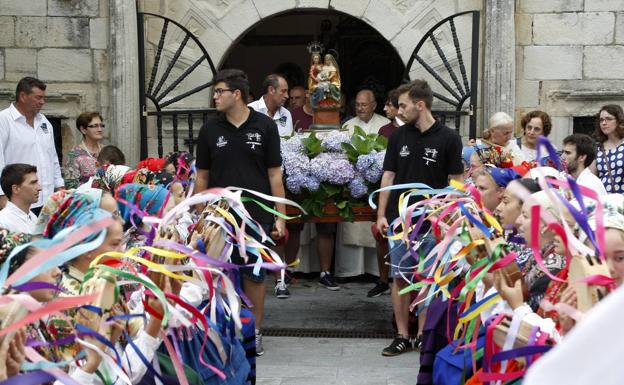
[
  {"x": 616, "y": 111},
  {"x": 13, "y": 174},
  {"x": 112, "y": 155},
  {"x": 393, "y": 98},
  {"x": 546, "y": 122},
  {"x": 529, "y": 184},
  {"x": 585, "y": 145},
  {"x": 418, "y": 90},
  {"x": 235, "y": 79},
  {"x": 271, "y": 80},
  {"x": 85, "y": 118},
  {"x": 27, "y": 84}
]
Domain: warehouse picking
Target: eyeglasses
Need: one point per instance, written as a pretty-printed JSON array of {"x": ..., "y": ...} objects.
[
  {"x": 606, "y": 119},
  {"x": 364, "y": 105},
  {"x": 96, "y": 125},
  {"x": 219, "y": 91}
]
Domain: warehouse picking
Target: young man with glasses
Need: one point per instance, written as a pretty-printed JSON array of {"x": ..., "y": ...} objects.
[
  {"x": 26, "y": 136},
  {"x": 241, "y": 147}
]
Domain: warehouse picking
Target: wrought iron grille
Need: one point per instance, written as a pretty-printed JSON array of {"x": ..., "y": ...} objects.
[
  {"x": 442, "y": 43},
  {"x": 174, "y": 61}
]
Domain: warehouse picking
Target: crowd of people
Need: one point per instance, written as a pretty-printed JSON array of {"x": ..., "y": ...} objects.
[{"x": 156, "y": 273}]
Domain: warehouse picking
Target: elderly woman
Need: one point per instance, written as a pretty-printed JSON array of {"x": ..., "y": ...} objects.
[
  {"x": 499, "y": 136},
  {"x": 534, "y": 124},
  {"x": 81, "y": 160},
  {"x": 609, "y": 134}
]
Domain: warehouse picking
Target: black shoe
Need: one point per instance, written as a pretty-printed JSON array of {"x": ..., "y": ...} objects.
[
  {"x": 417, "y": 343},
  {"x": 328, "y": 281},
  {"x": 398, "y": 346},
  {"x": 378, "y": 290}
]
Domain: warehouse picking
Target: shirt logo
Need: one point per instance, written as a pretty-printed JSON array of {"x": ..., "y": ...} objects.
[
  {"x": 404, "y": 151},
  {"x": 431, "y": 155},
  {"x": 44, "y": 127},
  {"x": 254, "y": 139},
  {"x": 221, "y": 142},
  {"x": 282, "y": 120}
]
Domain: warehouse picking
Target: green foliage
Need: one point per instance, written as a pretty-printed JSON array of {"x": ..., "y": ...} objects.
[{"x": 312, "y": 145}]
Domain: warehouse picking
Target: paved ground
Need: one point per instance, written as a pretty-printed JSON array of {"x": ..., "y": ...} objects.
[{"x": 329, "y": 361}]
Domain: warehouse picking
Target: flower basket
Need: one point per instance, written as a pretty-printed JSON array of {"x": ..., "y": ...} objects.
[{"x": 332, "y": 175}]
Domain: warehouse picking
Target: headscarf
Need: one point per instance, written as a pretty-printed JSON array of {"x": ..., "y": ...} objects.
[
  {"x": 182, "y": 161},
  {"x": 150, "y": 200},
  {"x": 110, "y": 177},
  {"x": 152, "y": 164},
  {"x": 50, "y": 207},
  {"x": 502, "y": 176},
  {"x": 8, "y": 242},
  {"x": 68, "y": 213}
]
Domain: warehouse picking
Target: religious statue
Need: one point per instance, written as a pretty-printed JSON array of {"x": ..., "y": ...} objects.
[{"x": 324, "y": 81}]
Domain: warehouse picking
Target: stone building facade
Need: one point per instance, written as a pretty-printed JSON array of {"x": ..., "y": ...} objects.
[{"x": 565, "y": 57}]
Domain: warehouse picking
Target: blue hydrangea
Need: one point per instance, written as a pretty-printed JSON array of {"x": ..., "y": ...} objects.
[
  {"x": 294, "y": 163},
  {"x": 371, "y": 166},
  {"x": 332, "y": 168},
  {"x": 358, "y": 188},
  {"x": 293, "y": 144},
  {"x": 333, "y": 140},
  {"x": 312, "y": 183},
  {"x": 295, "y": 182}
]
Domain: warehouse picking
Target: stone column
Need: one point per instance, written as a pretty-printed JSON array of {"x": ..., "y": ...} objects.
[
  {"x": 499, "y": 63},
  {"x": 124, "y": 79}
]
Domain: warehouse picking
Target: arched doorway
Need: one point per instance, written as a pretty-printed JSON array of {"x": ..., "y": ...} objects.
[{"x": 279, "y": 44}]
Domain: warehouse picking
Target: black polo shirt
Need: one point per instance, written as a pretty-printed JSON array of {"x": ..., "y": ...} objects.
[
  {"x": 416, "y": 157},
  {"x": 241, "y": 156}
]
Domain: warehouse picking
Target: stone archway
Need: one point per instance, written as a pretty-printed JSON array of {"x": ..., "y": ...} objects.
[{"x": 220, "y": 24}]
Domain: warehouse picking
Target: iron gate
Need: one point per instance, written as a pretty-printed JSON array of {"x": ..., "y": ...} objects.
[
  {"x": 457, "y": 91},
  {"x": 161, "y": 90}
]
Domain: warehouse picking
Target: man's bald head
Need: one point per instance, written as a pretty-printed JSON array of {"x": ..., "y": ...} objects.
[{"x": 365, "y": 104}]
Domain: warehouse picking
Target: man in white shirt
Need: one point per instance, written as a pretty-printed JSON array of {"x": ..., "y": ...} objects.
[
  {"x": 21, "y": 186},
  {"x": 272, "y": 103},
  {"x": 366, "y": 118},
  {"x": 579, "y": 151},
  {"x": 26, "y": 136}
]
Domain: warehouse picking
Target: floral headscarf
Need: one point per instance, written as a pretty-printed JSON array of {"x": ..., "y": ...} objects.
[
  {"x": 68, "y": 212},
  {"x": 150, "y": 200},
  {"x": 50, "y": 207},
  {"x": 110, "y": 177},
  {"x": 8, "y": 242}
]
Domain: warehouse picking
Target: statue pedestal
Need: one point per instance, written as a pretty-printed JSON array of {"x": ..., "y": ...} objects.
[{"x": 326, "y": 118}]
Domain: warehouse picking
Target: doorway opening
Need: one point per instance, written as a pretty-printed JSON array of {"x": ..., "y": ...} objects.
[{"x": 278, "y": 44}]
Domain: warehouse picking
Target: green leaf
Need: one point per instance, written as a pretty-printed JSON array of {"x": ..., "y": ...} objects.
[
  {"x": 352, "y": 153},
  {"x": 312, "y": 145},
  {"x": 330, "y": 189},
  {"x": 381, "y": 143},
  {"x": 342, "y": 204},
  {"x": 358, "y": 131},
  {"x": 317, "y": 210}
]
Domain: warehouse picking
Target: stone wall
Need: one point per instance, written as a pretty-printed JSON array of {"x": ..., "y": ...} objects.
[
  {"x": 569, "y": 58},
  {"x": 64, "y": 43}
]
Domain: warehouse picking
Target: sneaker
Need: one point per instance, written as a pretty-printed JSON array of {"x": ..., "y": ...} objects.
[
  {"x": 259, "y": 347},
  {"x": 398, "y": 346},
  {"x": 281, "y": 290},
  {"x": 417, "y": 343},
  {"x": 328, "y": 281},
  {"x": 378, "y": 290}
]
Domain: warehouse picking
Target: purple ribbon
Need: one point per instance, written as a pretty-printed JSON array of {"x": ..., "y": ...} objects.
[{"x": 32, "y": 378}]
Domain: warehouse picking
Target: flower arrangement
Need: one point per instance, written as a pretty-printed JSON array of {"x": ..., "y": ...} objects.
[{"x": 336, "y": 168}]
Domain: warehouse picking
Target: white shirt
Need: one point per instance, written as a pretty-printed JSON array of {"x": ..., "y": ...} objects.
[
  {"x": 589, "y": 180},
  {"x": 370, "y": 127},
  {"x": 14, "y": 219},
  {"x": 21, "y": 143},
  {"x": 282, "y": 117}
]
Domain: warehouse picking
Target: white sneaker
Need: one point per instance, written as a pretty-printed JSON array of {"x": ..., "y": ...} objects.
[
  {"x": 281, "y": 290},
  {"x": 259, "y": 347}
]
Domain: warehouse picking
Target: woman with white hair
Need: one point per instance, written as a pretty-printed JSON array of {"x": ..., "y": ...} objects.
[{"x": 500, "y": 136}]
